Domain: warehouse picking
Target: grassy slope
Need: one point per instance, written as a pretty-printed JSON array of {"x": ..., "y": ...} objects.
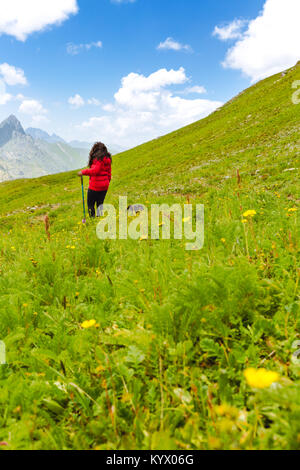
[{"x": 176, "y": 329}]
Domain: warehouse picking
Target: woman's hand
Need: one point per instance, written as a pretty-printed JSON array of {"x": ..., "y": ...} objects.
[{"x": 80, "y": 173}]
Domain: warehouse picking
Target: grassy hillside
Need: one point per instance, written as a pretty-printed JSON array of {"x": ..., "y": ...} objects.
[{"x": 162, "y": 366}]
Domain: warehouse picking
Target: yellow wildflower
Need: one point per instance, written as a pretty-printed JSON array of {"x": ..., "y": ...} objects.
[
  {"x": 250, "y": 213},
  {"x": 226, "y": 410},
  {"x": 223, "y": 240},
  {"x": 293, "y": 209},
  {"x": 260, "y": 378},
  {"x": 88, "y": 324}
]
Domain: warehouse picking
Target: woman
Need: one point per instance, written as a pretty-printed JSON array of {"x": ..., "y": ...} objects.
[{"x": 100, "y": 176}]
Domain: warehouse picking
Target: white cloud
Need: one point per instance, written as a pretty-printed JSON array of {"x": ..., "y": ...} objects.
[
  {"x": 108, "y": 107},
  {"x": 76, "y": 101},
  {"x": 94, "y": 102},
  {"x": 199, "y": 90},
  {"x": 32, "y": 107},
  {"x": 4, "y": 97},
  {"x": 12, "y": 75},
  {"x": 271, "y": 42},
  {"x": 20, "y": 18},
  {"x": 171, "y": 44},
  {"x": 140, "y": 92},
  {"x": 20, "y": 97},
  {"x": 231, "y": 30},
  {"x": 145, "y": 108},
  {"x": 75, "y": 49}
]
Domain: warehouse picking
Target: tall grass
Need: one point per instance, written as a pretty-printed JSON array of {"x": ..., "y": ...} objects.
[{"x": 162, "y": 366}]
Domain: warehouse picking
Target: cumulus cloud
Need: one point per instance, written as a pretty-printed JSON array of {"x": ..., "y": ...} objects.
[
  {"x": 231, "y": 30},
  {"x": 171, "y": 44},
  {"x": 75, "y": 49},
  {"x": 12, "y": 75},
  {"x": 144, "y": 108},
  {"x": 199, "y": 90},
  {"x": 76, "y": 101},
  {"x": 32, "y": 107},
  {"x": 4, "y": 97},
  {"x": 109, "y": 107},
  {"x": 20, "y": 18},
  {"x": 140, "y": 92},
  {"x": 270, "y": 43}
]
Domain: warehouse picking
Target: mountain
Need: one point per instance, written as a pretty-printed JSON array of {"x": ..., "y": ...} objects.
[
  {"x": 42, "y": 135},
  {"x": 139, "y": 343},
  {"x": 26, "y": 156},
  {"x": 9, "y": 128},
  {"x": 77, "y": 144},
  {"x": 80, "y": 145},
  {"x": 113, "y": 149},
  {"x": 36, "y": 153}
]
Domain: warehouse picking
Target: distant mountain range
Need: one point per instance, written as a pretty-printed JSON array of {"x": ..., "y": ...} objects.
[
  {"x": 42, "y": 135},
  {"x": 52, "y": 139},
  {"x": 33, "y": 153}
]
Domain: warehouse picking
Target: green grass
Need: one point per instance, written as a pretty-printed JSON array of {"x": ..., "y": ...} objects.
[{"x": 164, "y": 367}]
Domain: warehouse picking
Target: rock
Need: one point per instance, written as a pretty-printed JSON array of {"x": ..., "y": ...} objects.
[{"x": 10, "y": 128}]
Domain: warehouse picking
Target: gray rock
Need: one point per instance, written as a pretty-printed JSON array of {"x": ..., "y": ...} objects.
[{"x": 10, "y": 128}]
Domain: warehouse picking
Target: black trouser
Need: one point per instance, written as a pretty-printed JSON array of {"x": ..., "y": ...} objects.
[{"x": 95, "y": 198}]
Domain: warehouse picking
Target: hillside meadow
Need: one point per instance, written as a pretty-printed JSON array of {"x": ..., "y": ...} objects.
[{"x": 141, "y": 344}]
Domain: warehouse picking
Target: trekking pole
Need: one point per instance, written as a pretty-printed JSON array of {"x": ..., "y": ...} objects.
[{"x": 83, "y": 220}]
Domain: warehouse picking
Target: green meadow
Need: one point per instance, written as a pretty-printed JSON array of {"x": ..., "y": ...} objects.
[{"x": 115, "y": 344}]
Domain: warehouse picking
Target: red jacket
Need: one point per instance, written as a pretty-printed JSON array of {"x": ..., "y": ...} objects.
[{"x": 100, "y": 174}]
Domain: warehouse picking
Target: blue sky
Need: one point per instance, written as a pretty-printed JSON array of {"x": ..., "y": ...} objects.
[{"x": 62, "y": 65}]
